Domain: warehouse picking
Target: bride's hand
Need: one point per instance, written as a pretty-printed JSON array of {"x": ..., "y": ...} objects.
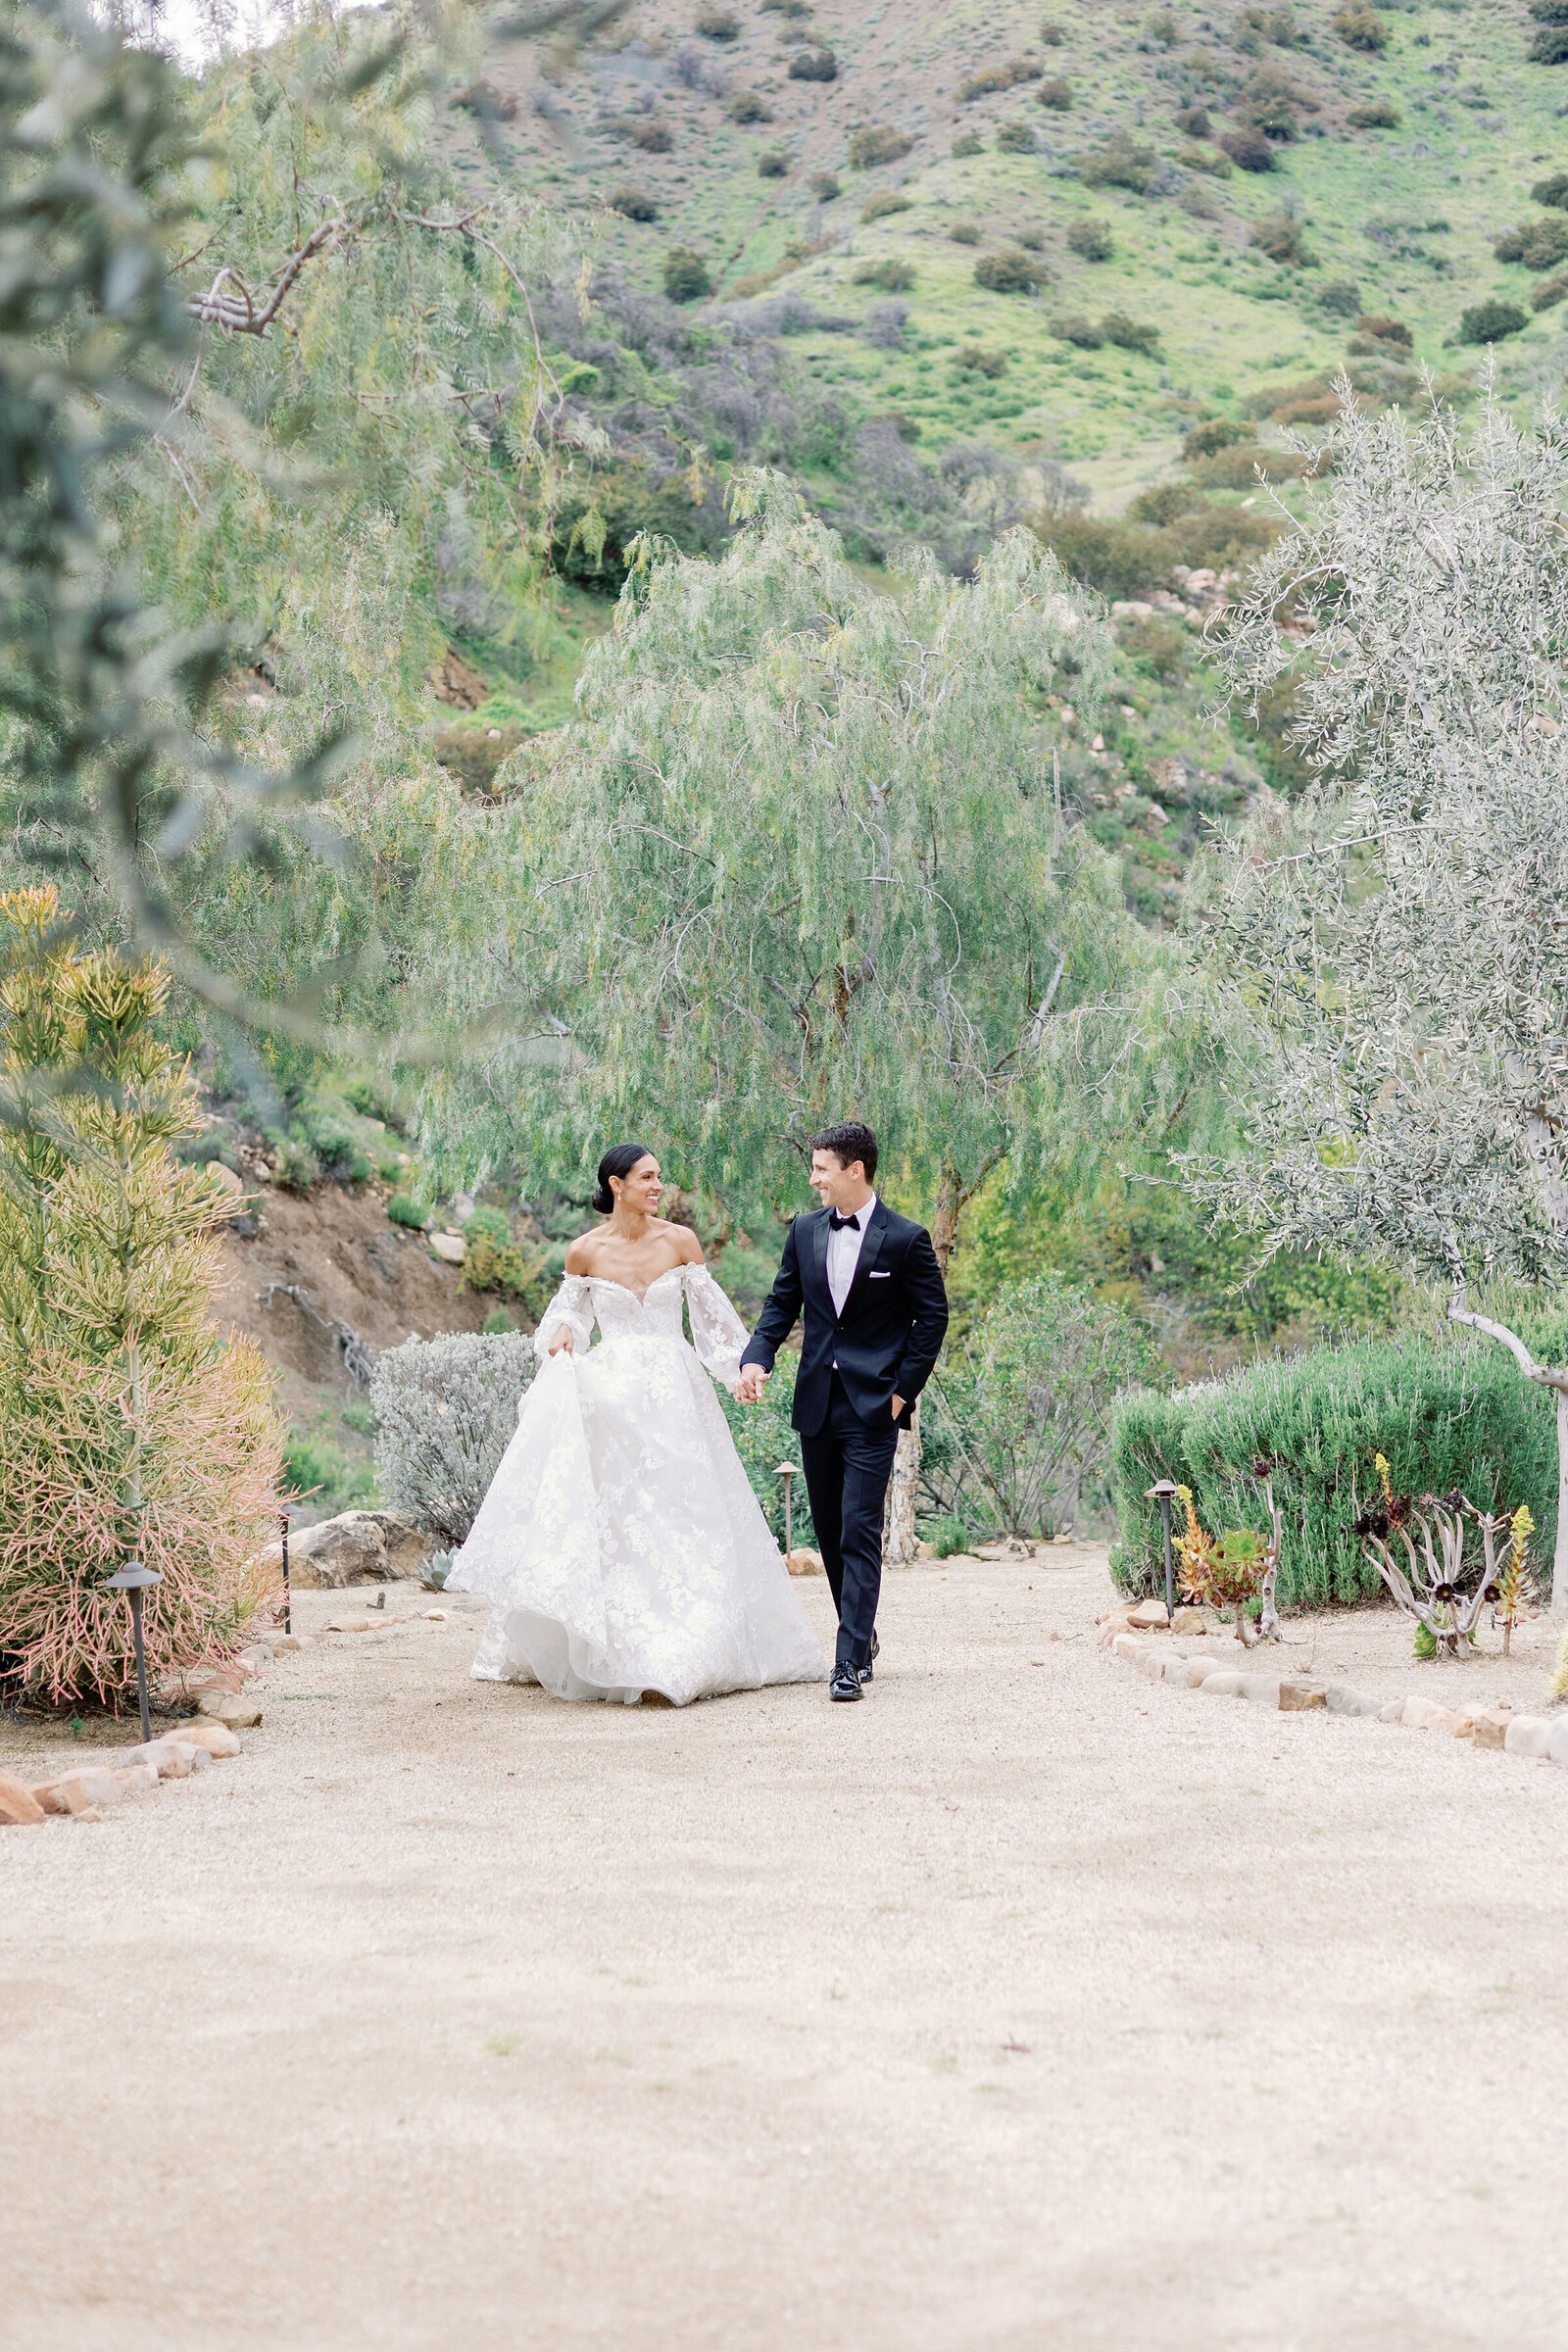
[{"x": 562, "y": 1340}]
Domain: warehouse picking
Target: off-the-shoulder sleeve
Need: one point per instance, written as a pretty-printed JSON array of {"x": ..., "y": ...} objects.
[
  {"x": 717, "y": 1332},
  {"x": 573, "y": 1305}
]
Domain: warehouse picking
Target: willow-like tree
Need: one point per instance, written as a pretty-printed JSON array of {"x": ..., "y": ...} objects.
[
  {"x": 804, "y": 860},
  {"x": 1403, "y": 928}
]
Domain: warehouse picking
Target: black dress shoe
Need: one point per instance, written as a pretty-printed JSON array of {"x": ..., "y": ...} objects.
[{"x": 845, "y": 1682}]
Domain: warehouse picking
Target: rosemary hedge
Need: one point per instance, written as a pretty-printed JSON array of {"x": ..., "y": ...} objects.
[{"x": 1446, "y": 1411}]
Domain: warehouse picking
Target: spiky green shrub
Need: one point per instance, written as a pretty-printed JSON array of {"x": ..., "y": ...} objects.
[
  {"x": 1448, "y": 1412},
  {"x": 127, "y": 1422}
]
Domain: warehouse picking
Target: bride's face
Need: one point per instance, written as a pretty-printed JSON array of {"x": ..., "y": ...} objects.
[{"x": 639, "y": 1188}]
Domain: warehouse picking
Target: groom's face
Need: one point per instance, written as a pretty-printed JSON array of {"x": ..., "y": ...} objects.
[{"x": 836, "y": 1186}]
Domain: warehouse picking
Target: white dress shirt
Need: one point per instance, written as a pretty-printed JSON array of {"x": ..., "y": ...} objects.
[{"x": 844, "y": 1254}]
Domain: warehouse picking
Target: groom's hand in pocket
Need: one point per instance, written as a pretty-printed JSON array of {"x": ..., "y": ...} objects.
[
  {"x": 898, "y": 1407},
  {"x": 752, "y": 1380}
]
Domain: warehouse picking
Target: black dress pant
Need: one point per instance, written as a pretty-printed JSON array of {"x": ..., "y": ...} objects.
[{"x": 848, "y": 1463}]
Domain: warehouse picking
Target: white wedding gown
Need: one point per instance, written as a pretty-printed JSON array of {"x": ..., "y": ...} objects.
[{"x": 620, "y": 1544}]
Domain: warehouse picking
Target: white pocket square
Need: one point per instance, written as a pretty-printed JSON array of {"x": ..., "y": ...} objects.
[{"x": 884, "y": 1276}]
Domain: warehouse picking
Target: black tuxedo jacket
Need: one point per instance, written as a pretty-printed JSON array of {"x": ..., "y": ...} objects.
[{"x": 889, "y": 1334}]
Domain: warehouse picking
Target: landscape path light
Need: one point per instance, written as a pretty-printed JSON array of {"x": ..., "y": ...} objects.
[
  {"x": 788, "y": 1471},
  {"x": 283, "y": 1518},
  {"x": 1164, "y": 1492},
  {"x": 134, "y": 1579}
]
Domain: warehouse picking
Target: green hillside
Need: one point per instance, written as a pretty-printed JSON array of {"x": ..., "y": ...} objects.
[{"x": 1398, "y": 219}]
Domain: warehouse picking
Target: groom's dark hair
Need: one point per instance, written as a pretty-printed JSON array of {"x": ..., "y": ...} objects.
[{"x": 848, "y": 1142}]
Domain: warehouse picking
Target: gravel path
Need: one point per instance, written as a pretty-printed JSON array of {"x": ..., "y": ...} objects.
[{"x": 1026, "y": 2003}]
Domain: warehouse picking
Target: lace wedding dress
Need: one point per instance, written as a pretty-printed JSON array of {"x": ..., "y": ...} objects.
[{"x": 620, "y": 1544}]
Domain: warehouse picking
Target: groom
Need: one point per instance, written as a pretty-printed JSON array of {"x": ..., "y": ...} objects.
[{"x": 876, "y": 1315}]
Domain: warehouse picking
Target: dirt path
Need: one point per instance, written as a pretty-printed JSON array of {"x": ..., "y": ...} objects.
[{"x": 1026, "y": 2003}]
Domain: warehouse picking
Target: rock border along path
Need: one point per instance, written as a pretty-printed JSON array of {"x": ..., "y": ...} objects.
[{"x": 1544, "y": 1738}]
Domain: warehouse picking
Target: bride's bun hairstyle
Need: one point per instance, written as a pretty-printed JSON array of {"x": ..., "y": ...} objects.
[{"x": 619, "y": 1162}]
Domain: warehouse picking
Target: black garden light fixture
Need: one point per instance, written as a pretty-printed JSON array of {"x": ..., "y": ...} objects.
[
  {"x": 283, "y": 1518},
  {"x": 134, "y": 1579},
  {"x": 1164, "y": 1492}
]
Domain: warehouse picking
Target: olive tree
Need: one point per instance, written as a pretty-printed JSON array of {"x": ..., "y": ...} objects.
[{"x": 1405, "y": 927}]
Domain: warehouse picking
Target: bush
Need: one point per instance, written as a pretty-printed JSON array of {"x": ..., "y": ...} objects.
[
  {"x": 979, "y": 360},
  {"x": 882, "y": 207},
  {"x": 1200, "y": 204},
  {"x": 824, "y": 187},
  {"x": 1056, "y": 96},
  {"x": 1552, "y": 191},
  {"x": 1249, "y": 150},
  {"x": 635, "y": 204},
  {"x": 1012, "y": 272},
  {"x": 1445, "y": 1413},
  {"x": 1380, "y": 116},
  {"x": 687, "y": 277},
  {"x": 1129, "y": 334},
  {"x": 893, "y": 277},
  {"x": 1076, "y": 329},
  {"x": 773, "y": 164},
  {"x": 1015, "y": 138},
  {"x": 1358, "y": 28},
  {"x": 494, "y": 1261},
  {"x": 1549, "y": 12},
  {"x": 1125, "y": 559},
  {"x": 1383, "y": 329},
  {"x": 1193, "y": 121},
  {"x": 964, "y": 233},
  {"x": 445, "y": 1411},
  {"x": 1265, "y": 102},
  {"x": 1017, "y": 1419},
  {"x": 1119, "y": 164},
  {"x": 653, "y": 138},
  {"x": 1216, "y": 433},
  {"x": 746, "y": 106},
  {"x": 967, "y": 143},
  {"x": 334, "y": 1480},
  {"x": 1091, "y": 240},
  {"x": 813, "y": 65},
  {"x": 1539, "y": 244},
  {"x": 1282, "y": 240},
  {"x": 126, "y": 1424},
  {"x": 1340, "y": 297},
  {"x": 1548, "y": 293},
  {"x": 716, "y": 25},
  {"x": 1490, "y": 321},
  {"x": 1051, "y": 35},
  {"x": 879, "y": 145},
  {"x": 404, "y": 1208},
  {"x": 991, "y": 78},
  {"x": 1549, "y": 46}
]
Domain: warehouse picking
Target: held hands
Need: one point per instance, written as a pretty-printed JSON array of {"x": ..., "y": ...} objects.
[{"x": 752, "y": 1383}]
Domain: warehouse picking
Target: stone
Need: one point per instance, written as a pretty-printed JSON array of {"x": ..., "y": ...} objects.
[
  {"x": 1263, "y": 1688},
  {"x": 1149, "y": 1617},
  {"x": 1299, "y": 1698},
  {"x": 1127, "y": 1646},
  {"x": 18, "y": 1804},
  {"x": 137, "y": 1776},
  {"x": 357, "y": 1548},
  {"x": 1340, "y": 1699},
  {"x": 1224, "y": 1682},
  {"x": 435, "y": 1616},
  {"x": 349, "y": 1625},
  {"x": 233, "y": 1186},
  {"x": 450, "y": 1248},
  {"x": 1528, "y": 1736},
  {"x": 1558, "y": 1745},
  {"x": 216, "y": 1738},
  {"x": 215, "y": 1678},
  {"x": 89, "y": 1792},
  {"x": 1153, "y": 1663},
  {"x": 1195, "y": 1672},
  {"x": 1176, "y": 1672},
  {"x": 1391, "y": 1711},
  {"x": 226, "y": 1707},
  {"x": 171, "y": 1759},
  {"x": 1490, "y": 1726},
  {"x": 803, "y": 1561},
  {"x": 1189, "y": 1621},
  {"x": 281, "y": 1644},
  {"x": 1427, "y": 1715}
]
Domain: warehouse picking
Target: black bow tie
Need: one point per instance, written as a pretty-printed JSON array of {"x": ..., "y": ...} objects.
[{"x": 836, "y": 1223}]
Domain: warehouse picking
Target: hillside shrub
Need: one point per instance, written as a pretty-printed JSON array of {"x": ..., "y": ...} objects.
[
  {"x": 1360, "y": 27},
  {"x": 1120, "y": 164},
  {"x": 748, "y": 105},
  {"x": 1281, "y": 239},
  {"x": 1200, "y": 203},
  {"x": 824, "y": 187},
  {"x": 1549, "y": 12},
  {"x": 1236, "y": 468},
  {"x": 773, "y": 164},
  {"x": 883, "y": 206},
  {"x": 716, "y": 25},
  {"x": 964, "y": 233},
  {"x": 1129, "y": 334},
  {"x": 893, "y": 277},
  {"x": 1212, "y": 162},
  {"x": 1490, "y": 321},
  {"x": 1073, "y": 327},
  {"x": 967, "y": 143},
  {"x": 408, "y": 1210},
  {"x": 127, "y": 1424},
  {"x": 1248, "y": 150},
  {"x": 1193, "y": 121},
  {"x": 1051, "y": 35},
  {"x": 1017, "y": 1421},
  {"x": 1549, "y": 46},
  {"x": 1340, "y": 297},
  {"x": 1123, "y": 558},
  {"x": 1033, "y": 240},
  {"x": 1548, "y": 293},
  {"x": 991, "y": 78},
  {"x": 687, "y": 277},
  {"x": 980, "y": 359},
  {"x": 813, "y": 65},
  {"x": 1056, "y": 96},
  {"x": 1091, "y": 241},
  {"x": 1268, "y": 103},
  {"x": 1552, "y": 191},
  {"x": 445, "y": 1413},
  {"x": 1383, "y": 329},
  {"x": 1446, "y": 1413},
  {"x": 879, "y": 145},
  {"x": 494, "y": 1261},
  {"x": 1215, "y": 434},
  {"x": 1015, "y": 138},
  {"x": 1011, "y": 272},
  {"x": 883, "y": 326},
  {"x": 634, "y": 204},
  {"x": 1539, "y": 244},
  {"x": 653, "y": 138},
  {"x": 1378, "y": 117}
]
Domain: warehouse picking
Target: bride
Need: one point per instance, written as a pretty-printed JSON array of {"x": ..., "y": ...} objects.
[{"x": 620, "y": 1544}]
